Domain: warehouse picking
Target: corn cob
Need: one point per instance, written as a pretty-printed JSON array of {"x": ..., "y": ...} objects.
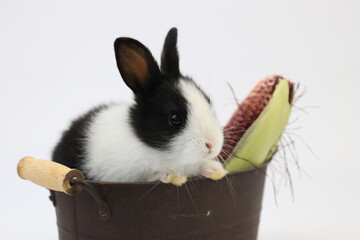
[{"x": 249, "y": 111}]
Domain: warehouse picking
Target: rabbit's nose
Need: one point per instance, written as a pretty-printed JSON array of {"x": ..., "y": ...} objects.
[{"x": 209, "y": 146}]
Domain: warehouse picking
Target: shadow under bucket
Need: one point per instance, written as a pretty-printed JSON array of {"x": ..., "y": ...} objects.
[{"x": 202, "y": 209}]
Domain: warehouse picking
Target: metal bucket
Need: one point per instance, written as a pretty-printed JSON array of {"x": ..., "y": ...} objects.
[{"x": 201, "y": 209}]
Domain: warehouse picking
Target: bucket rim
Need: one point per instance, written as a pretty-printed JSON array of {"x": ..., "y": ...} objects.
[{"x": 197, "y": 178}]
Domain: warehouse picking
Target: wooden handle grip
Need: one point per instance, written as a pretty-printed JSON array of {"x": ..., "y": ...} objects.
[{"x": 48, "y": 174}]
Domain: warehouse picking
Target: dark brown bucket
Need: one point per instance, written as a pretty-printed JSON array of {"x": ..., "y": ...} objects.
[{"x": 202, "y": 209}]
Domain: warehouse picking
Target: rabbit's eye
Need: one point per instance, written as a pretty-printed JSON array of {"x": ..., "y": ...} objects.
[{"x": 175, "y": 120}]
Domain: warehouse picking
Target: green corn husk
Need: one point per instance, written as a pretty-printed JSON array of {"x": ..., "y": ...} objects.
[{"x": 259, "y": 142}]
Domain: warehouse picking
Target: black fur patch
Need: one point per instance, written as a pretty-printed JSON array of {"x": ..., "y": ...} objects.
[
  {"x": 170, "y": 55},
  {"x": 149, "y": 117},
  {"x": 70, "y": 151}
]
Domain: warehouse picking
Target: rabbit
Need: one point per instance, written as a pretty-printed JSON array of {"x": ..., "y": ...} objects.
[{"x": 168, "y": 133}]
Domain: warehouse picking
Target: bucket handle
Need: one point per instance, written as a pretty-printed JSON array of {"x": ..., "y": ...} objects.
[
  {"x": 50, "y": 175},
  {"x": 57, "y": 177}
]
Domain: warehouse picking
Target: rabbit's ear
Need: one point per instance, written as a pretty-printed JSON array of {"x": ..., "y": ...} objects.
[
  {"x": 137, "y": 66},
  {"x": 170, "y": 55}
]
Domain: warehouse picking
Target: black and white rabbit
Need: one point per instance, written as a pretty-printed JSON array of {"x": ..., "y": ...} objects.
[{"x": 170, "y": 132}]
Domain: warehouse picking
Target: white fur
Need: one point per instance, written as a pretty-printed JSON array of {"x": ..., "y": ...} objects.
[
  {"x": 202, "y": 127},
  {"x": 114, "y": 153}
]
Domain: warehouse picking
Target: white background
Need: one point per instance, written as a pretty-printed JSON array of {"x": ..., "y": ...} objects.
[{"x": 56, "y": 61}]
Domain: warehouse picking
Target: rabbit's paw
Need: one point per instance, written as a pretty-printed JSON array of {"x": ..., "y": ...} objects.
[
  {"x": 175, "y": 179},
  {"x": 213, "y": 170}
]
